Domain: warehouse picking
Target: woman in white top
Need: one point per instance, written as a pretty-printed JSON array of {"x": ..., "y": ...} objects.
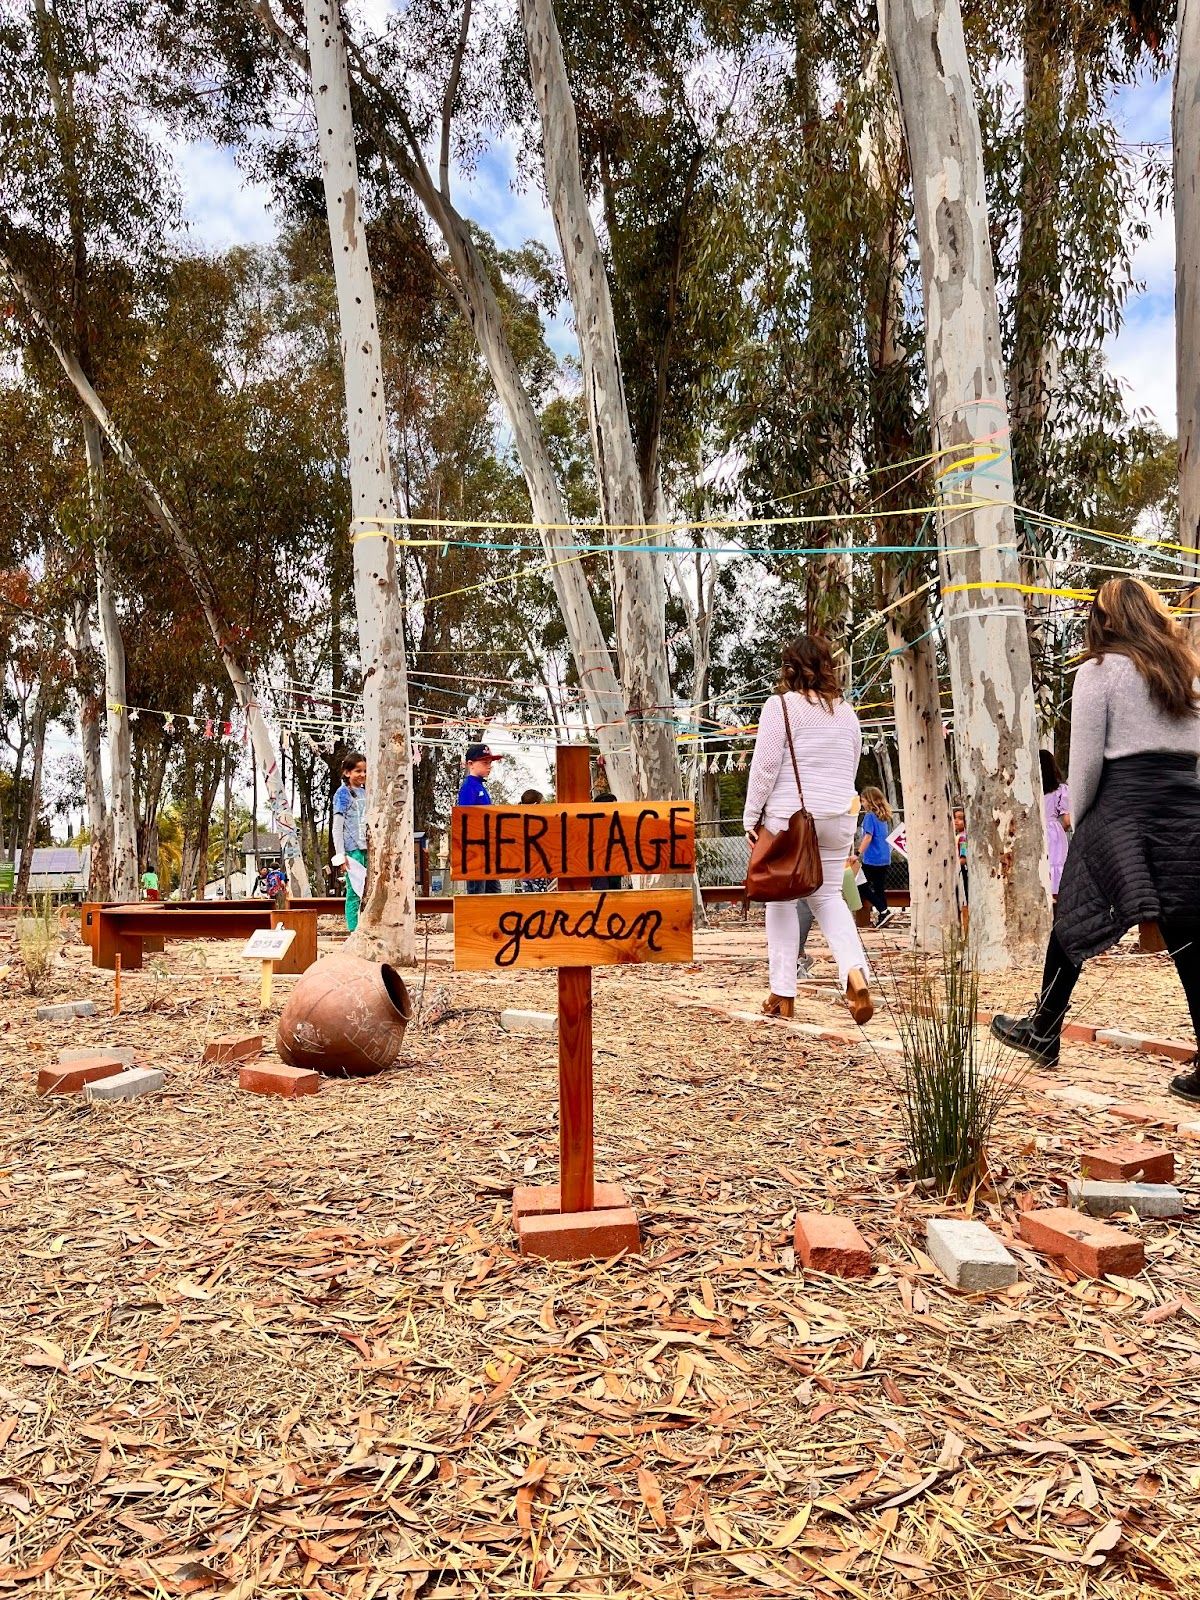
[{"x": 828, "y": 742}]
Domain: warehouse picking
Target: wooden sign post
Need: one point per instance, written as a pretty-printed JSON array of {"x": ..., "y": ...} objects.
[
  {"x": 575, "y": 841},
  {"x": 268, "y": 945}
]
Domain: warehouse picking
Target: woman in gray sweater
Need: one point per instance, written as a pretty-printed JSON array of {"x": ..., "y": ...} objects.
[{"x": 1135, "y": 855}]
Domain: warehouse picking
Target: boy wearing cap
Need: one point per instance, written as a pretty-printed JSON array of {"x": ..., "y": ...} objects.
[{"x": 473, "y": 792}]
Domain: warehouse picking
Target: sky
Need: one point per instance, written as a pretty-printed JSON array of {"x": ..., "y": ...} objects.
[{"x": 1143, "y": 353}]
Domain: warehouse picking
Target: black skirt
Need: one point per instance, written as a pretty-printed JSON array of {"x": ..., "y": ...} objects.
[{"x": 1135, "y": 856}]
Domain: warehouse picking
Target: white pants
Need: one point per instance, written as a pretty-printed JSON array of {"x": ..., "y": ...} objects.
[{"x": 834, "y": 917}]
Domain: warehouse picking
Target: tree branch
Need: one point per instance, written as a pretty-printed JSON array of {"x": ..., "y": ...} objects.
[{"x": 449, "y": 98}]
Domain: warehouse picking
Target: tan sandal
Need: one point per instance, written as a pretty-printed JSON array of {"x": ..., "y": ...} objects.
[
  {"x": 858, "y": 997},
  {"x": 779, "y": 1005}
]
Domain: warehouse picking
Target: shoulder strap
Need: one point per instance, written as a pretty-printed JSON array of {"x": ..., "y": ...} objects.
[{"x": 787, "y": 728}]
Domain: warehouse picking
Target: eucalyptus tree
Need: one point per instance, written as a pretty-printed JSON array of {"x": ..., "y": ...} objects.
[
  {"x": 79, "y": 174},
  {"x": 986, "y": 640}
]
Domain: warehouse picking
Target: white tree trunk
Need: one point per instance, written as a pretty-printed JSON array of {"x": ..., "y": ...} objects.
[
  {"x": 471, "y": 285},
  {"x": 28, "y": 831},
  {"x": 264, "y": 746},
  {"x": 387, "y": 921},
  {"x": 124, "y": 865},
  {"x": 986, "y": 639},
  {"x": 598, "y": 682},
  {"x": 933, "y": 877},
  {"x": 91, "y": 705},
  {"x": 1185, "y": 127},
  {"x": 638, "y": 588},
  {"x": 934, "y": 881}
]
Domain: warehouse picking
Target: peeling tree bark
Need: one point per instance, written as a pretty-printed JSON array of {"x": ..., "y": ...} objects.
[
  {"x": 91, "y": 706},
  {"x": 638, "y": 588},
  {"x": 986, "y": 640},
  {"x": 189, "y": 559},
  {"x": 37, "y": 742},
  {"x": 471, "y": 287},
  {"x": 1185, "y": 128},
  {"x": 123, "y": 869},
  {"x": 1034, "y": 379},
  {"x": 387, "y": 921},
  {"x": 934, "y": 882}
]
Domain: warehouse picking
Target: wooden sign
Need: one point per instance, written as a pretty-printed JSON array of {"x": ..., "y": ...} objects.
[
  {"x": 574, "y": 930},
  {"x": 495, "y": 932},
  {"x": 611, "y": 840},
  {"x": 269, "y": 944}
]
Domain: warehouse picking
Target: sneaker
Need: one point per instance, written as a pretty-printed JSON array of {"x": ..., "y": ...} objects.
[
  {"x": 884, "y": 918},
  {"x": 1187, "y": 1085},
  {"x": 804, "y": 967},
  {"x": 1018, "y": 1033}
]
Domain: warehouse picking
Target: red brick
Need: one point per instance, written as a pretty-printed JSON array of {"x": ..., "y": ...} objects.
[
  {"x": 233, "y": 1047},
  {"x": 984, "y": 1018},
  {"x": 581, "y": 1235},
  {"x": 1133, "y": 1111},
  {"x": 1093, "y": 1248},
  {"x": 1128, "y": 1162},
  {"x": 271, "y": 1079},
  {"x": 1169, "y": 1047},
  {"x": 1081, "y": 1032},
  {"x": 831, "y": 1244},
  {"x": 70, "y": 1077},
  {"x": 545, "y": 1200}
]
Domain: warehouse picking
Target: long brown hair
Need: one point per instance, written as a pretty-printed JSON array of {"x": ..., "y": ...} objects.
[
  {"x": 1128, "y": 619},
  {"x": 808, "y": 669},
  {"x": 873, "y": 800}
]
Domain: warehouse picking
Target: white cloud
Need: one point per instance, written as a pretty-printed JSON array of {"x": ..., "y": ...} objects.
[
  {"x": 1143, "y": 358},
  {"x": 222, "y": 207}
]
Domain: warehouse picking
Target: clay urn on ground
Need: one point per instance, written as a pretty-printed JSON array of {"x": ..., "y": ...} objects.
[{"x": 345, "y": 1018}]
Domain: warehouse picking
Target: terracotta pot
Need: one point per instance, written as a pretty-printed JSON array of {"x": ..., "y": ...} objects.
[{"x": 345, "y": 1018}]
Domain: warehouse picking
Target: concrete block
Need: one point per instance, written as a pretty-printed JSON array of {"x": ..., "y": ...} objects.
[
  {"x": 1118, "y": 1036},
  {"x": 124, "y": 1053},
  {"x": 66, "y": 1011},
  {"x": 1091, "y": 1247},
  {"x": 1104, "y": 1199},
  {"x": 1128, "y": 1162},
  {"x": 1088, "y": 1098},
  {"x": 831, "y": 1244},
  {"x": 530, "y": 1022},
  {"x": 126, "y": 1085},
  {"x": 969, "y": 1255}
]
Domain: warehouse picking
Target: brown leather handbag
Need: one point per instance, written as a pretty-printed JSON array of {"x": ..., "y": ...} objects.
[{"x": 787, "y": 865}]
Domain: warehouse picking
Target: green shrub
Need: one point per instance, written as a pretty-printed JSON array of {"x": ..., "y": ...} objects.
[
  {"x": 37, "y": 941},
  {"x": 955, "y": 1081}
]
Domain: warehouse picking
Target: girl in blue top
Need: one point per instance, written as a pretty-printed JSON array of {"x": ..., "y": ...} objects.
[
  {"x": 875, "y": 855},
  {"x": 350, "y": 832}
]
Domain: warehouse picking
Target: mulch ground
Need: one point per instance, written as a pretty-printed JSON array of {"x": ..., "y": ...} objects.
[{"x": 257, "y": 1347}]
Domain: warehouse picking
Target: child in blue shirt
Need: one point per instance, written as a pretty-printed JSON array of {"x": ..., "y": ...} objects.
[
  {"x": 350, "y": 832},
  {"x": 473, "y": 792},
  {"x": 875, "y": 852}
]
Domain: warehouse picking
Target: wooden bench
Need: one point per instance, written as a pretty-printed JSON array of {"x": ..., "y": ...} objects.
[
  {"x": 333, "y": 905},
  {"x": 125, "y": 930}
]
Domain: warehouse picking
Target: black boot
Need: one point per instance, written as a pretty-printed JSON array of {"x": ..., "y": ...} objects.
[
  {"x": 1187, "y": 1085},
  {"x": 1023, "y": 1034}
]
